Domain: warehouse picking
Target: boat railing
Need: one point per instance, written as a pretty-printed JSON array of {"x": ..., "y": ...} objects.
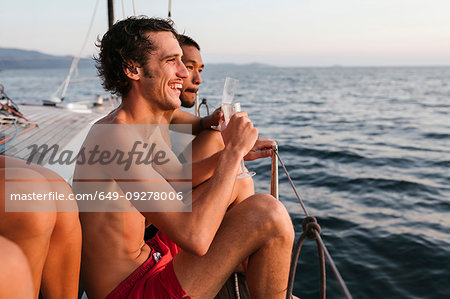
[
  {"x": 311, "y": 230},
  {"x": 310, "y": 226}
]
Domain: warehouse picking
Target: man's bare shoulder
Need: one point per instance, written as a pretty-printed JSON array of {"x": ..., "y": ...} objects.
[
  {"x": 116, "y": 116},
  {"x": 182, "y": 117}
]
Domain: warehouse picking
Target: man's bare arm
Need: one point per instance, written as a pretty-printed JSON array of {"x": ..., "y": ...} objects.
[
  {"x": 192, "y": 231},
  {"x": 195, "y": 231},
  {"x": 203, "y": 170},
  {"x": 198, "y": 124}
]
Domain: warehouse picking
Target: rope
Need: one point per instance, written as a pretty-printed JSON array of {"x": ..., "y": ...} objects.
[
  {"x": 31, "y": 126},
  {"x": 311, "y": 229},
  {"x": 310, "y": 226},
  {"x": 13, "y": 111},
  {"x": 75, "y": 60},
  {"x": 292, "y": 184},
  {"x": 10, "y": 106},
  {"x": 236, "y": 286},
  {"x": 11, "y": 139}
]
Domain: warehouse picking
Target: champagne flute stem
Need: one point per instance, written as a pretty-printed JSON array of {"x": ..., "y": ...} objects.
[{"x": 242, "y": 166}]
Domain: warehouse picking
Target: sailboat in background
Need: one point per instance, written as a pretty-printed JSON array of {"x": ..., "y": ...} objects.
[{"x": 55, "y": 121}]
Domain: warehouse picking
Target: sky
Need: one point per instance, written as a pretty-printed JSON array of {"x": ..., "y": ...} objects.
[{"x": 281, "y": 33}]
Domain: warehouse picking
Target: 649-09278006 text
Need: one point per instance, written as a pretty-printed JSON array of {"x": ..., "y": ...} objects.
[{"x": 98, "y": 195}]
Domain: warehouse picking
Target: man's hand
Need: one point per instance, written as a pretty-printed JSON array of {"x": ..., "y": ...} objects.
[
  {"x": 212, "y": 120},
  {"x": 240, "y": 135},
  {"x": 217, "y": 117},
  {"x": 261, "y": 149}
]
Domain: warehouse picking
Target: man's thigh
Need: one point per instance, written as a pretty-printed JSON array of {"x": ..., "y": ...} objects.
[
  {"x": 206, "y": 144},
  {"x": 236, "y": 239}
]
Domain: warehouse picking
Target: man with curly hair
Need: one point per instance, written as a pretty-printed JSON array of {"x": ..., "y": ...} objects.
[{"x": 194, "y": 252}]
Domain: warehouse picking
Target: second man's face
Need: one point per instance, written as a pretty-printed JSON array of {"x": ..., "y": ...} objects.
[{"x": 194, "y": 64}]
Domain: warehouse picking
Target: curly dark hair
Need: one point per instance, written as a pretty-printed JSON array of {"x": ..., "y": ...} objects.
[{"x": 126, "y": 44}]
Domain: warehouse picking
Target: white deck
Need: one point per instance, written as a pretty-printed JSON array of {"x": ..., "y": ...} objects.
[{"x": 65, "y": 127}]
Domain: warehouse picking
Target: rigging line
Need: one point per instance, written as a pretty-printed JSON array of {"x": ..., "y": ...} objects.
[
  {"x": 12, "y": 139},
  {"x": 90, "y": 27},
  {"x": 333, "y": 266},
  {"x": 66, "y": 82},
  {"x": 75, "y": 60},
  {"x": 84, "y": 79},
  {"x": 319, "y": 238},
  {"x": 123, "y": 10},
  {"x": 292, "y": 184},
  {"x": 17, "y": 113},
  {"x": 134, "y": 8},
  {"x": 31, "y": 127},
  {"x": 169, "y": 14}
]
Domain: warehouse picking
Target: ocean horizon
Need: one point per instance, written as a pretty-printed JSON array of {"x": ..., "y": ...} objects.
[{"x": 367, "y": 147}]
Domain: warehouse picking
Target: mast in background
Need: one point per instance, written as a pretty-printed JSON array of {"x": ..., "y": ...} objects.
[
  {"x": 169, "y": 15},
  {"x": 110, "y": 13}
]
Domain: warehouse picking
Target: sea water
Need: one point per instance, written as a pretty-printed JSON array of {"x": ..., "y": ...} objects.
[{"x": 367, "y": 148}]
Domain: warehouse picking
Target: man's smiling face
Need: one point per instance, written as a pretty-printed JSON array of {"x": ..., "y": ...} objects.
[{"x": 164, "y": 71}]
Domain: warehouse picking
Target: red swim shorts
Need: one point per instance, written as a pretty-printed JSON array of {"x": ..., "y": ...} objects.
[{"x": 155, "y": 278}]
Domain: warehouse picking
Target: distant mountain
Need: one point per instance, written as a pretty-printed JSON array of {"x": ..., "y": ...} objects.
[{"x": 25, "y": 59}]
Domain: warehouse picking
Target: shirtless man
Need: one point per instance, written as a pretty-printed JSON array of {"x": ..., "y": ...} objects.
[
  {"x": 194, "y": 252},
  {"x": 207, "y": 141},
  {"x": 47, "y": 233}
]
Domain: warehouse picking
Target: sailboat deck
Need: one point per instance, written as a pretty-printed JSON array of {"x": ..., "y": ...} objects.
[
  {"x": 48, "y": 125},
  {"x": 61, "y": 126}
]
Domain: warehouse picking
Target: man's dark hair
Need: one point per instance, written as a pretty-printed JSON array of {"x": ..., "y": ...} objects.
[
  {"x": 125, "y": 45},
  {"x": 185, "y": 40}
]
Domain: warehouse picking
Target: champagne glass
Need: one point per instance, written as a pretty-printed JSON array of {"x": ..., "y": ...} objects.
[
  {"x": 229, "y": 90},
  {"x": 228, "y": 110}
]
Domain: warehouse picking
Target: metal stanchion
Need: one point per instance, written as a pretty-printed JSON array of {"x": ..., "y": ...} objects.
[{"x": 274, "y": 173}]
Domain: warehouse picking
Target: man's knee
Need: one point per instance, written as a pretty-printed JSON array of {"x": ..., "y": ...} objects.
[
  {"x": 273, "y": 216},
  {"x": 67, "y": 227},
  {"x": 28, "y": 224},
  {"x": 26, "y": 190},
  {"x": 206, "y": 144},
  {"x": 33, "y": 217}
]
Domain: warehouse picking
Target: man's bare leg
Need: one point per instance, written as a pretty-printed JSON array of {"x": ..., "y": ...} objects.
[
  {"x": 31, "y": 231},
  {"x": 62, "y": 270},
  {"x": 258, "y": 228},
  {"x": 44, "y": 234},
  {"x": 206, "y": 144},
  {"x": 15, "y": 275}
]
